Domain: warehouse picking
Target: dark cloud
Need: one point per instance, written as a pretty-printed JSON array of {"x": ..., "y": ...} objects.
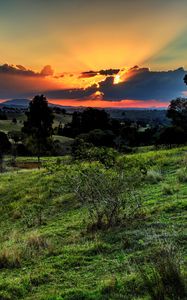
[
  {"x": 108, "y": 72},
  {"x": 20, "y": 67},
  {"x": 21, "y": 70},
  {"x": 88, "y": 74},
  {"x": 138, "y": 84},
  {"x": 72, "y": 93},
  {"x": 143, "y": 84},
  {"x": 16, "y": 70}
]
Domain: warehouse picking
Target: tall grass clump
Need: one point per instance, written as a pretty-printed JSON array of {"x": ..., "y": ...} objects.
[
  {"x": 153, "y": 176},
  {"x": 108, "y": 195},
  {"x": 36, "y": 241},
  {"x": 169, "y": 189},
  {"x": 182, "y": 175},
  {"x": 162, "y": 277},
  {"x": 10, "y": 258},
  {"x": 36, "y": 244}
]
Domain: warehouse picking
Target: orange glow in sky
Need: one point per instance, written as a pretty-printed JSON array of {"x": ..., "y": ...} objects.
[{"x": 116, "y": 104}]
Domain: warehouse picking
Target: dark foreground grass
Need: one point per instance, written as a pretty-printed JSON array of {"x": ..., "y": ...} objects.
[{"x": 47, "y": 251}]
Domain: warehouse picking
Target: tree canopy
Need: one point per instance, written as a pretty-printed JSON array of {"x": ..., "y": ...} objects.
[
  {"x": 177, "y": 111},
  {"x": 38, "y": 126}
]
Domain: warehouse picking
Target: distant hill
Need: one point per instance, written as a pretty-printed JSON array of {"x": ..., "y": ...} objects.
[
  {"x": 24, "y": 103},
  {"x": 16, "y": 103}
]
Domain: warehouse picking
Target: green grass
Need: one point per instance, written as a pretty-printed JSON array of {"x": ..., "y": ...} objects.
[
  {"x": 61, "y": 118},
  {"x": 8, "y": 125},
  {"x": 60, "y": 259}
]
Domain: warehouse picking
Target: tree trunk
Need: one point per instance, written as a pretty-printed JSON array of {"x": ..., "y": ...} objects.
[
  {"x": 1, "y": 162},
  {"x": 38, "y": 161}
]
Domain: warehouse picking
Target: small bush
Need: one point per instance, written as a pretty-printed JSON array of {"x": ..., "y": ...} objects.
[
  {"x": 104, "y": 155},
  {"x": 153, "y": 176},
  {"x": 108, "y": 194},
  {"x": 182, "y": 175}
]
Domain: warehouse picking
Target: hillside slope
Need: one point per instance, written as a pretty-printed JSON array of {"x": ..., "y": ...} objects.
[{"x": 47, "y": 251}]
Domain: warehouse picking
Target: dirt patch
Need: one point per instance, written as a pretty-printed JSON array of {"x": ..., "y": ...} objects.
[{"x": 27, "y": 165}]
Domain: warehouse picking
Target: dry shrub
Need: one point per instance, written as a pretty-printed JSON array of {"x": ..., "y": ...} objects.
[
  {"x": 10, "y": 258},
  {"x": 108, "y": 194},
  {"x": 36, "y": 241},
  {"x": 36, "y": 244}
]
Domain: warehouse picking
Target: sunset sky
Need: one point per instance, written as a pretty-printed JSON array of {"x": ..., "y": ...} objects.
[{"x": 122, "y": 53}]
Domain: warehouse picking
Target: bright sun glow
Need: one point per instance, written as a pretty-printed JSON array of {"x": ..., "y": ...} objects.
[{"x": 117, "y": 79}]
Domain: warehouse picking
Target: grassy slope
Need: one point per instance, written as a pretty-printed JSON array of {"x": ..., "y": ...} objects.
[
  {"x": 8, "y": 125},
  {"x": 77, "y": 264}
]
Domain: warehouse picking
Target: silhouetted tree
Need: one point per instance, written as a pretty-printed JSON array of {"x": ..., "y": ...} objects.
[
  {"x": 60, "y": 129},
  {"x": 171, "y": 136},
  {"x": 177, "y": 111},
  {"x": 93, "y": 118},
  {"x": 38, "y": 126},
  {"x": 148, "y": 136},
  {"x": 129, "y": 136},
  {"x": 3, "y": 116},
  {"x": 4, "y": 147},
  {"x": 89, "y": 119},
  {"x": 99, "y": 138},
  {"x": 14, "y": 120}
]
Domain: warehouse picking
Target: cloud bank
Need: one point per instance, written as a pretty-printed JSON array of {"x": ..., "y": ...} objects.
[
  {"x": 139, "y": 84},
  {"x": 7, "y": 69}
]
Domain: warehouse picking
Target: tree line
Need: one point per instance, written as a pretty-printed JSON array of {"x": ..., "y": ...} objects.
[{"x": 91, "y": 128}]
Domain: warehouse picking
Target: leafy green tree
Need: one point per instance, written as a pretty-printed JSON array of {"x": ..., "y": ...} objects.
[{"x": 38, "y": 126}]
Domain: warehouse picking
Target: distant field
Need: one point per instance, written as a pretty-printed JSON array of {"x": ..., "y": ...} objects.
[
  {"x": 60, "y": 259},
  {"x": 64, "y": 119},
  {"x": 8, "y": 125}
]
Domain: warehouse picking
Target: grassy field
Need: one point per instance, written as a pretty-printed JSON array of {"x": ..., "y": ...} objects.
[
  {"x": 47, "y": 251},
  {"x": 8, "y": 125}
]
